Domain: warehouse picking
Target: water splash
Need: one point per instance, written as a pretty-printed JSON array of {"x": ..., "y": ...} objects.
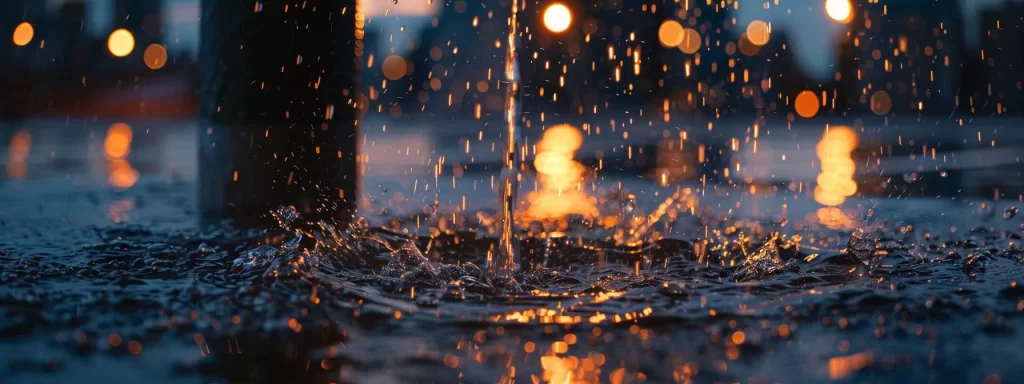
[{"x": 507, "y": 258}]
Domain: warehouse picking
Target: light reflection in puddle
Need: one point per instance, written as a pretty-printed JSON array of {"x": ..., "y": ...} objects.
[
  {"x": 116, "y": 147},
  {"x": 17, "y": 155}
]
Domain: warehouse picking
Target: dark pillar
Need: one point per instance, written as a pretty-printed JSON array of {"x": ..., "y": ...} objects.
[
  {"x": 278, "y": 108},
  {"x": 911, "y": 52}
]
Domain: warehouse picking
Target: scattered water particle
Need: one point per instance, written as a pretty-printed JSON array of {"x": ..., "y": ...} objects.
[{"x": 1010, "y": 212}]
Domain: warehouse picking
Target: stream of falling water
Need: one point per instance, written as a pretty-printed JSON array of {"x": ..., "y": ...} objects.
[{"x": 507, "y": 257}]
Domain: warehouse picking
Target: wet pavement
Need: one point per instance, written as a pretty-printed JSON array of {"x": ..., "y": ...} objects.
[{"x": 102, "y": 280}]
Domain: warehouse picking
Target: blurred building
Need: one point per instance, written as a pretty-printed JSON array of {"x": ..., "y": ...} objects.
[
  {"x": 998, "y": 68},
  {"x": 65, "y": 67},
  {"x": 907, "y": 57}
]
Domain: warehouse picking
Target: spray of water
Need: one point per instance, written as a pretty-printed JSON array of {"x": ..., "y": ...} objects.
[{"x": 506, "y": 260}]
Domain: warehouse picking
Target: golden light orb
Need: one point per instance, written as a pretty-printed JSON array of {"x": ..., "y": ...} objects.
[
  {"x": 118, "y": 142},
  {"x": 670, "y": 34},
  {"x": 121, "y": 42},
  {"x": 557, "y": 18},
  {"x": 758, "y": 32},
  {"x": 839, "y": 10},
  {"x": 881, "y": 103},
  {"x": 394, "y": 67},
  {"x": 23, "y": 34}
]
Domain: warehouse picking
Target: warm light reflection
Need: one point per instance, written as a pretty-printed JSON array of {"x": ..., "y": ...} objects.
[
  {"x": 17, "y": 155},
  {"x": 560, "y": 177},
  {"x": 691, "y": 41},
  {"x": 118, "y": 142},
  {"x": 835, "y": 182},
  {"x": 155, "y": 56},
  {"x": 120, "y": 211},
  {"x": 557, "y": 18},
  {"x": 121, "y": 43},
  {"x": 758, "y": 32},
  {"x": 839, "y": 10},
  {"x": 121, "y": 174},
  {"x": 23, "y": 34},
  {"x": 116, "y": 148},
  {"x": 834, "y": 218},
  {"x": 841, "y": 367}
]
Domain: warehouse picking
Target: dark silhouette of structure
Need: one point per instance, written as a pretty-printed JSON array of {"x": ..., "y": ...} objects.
[{"x": 278, "y": 109}]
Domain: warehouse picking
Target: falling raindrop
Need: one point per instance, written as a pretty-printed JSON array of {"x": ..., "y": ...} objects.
[{"x": 1010, "y": 212}]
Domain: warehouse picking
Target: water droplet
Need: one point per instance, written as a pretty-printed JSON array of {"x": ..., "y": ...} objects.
[
  {"x": 1010, "y": 212},
  {"x": 255, "y": 258},
  {"x": 629, "y": 205}
]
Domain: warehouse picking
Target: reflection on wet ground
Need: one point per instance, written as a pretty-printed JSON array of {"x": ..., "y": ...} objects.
[{"x": 674, "y": 282}]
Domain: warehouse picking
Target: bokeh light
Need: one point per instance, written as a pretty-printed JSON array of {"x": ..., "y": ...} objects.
[
  {"x": 118, "y": 142},
  {"x": 806, "y": 104},
  {"x": 691, "y": 41},
  {"x": 116, "y": 147},
  {"x": 839, "y": 10},
  {"x": 155, "y": 56},
  {"x": 758, "y": 32},
  {"x": 23, "y": 34},
  {"x": 670, "y": 34},
  {"x": 394, "y": 67},
  {"x": 121, "y": 42},
  {"x": 881, "y": 103},
  {"x": 557, "y": 18}
]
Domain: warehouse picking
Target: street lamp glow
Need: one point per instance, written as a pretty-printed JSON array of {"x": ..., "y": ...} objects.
[
  {"x": 23, "y": 34},
  {"x": 839, "y": 10},
  {"x": 121, "y": 42},
  {"x": 557, "y": 18}
]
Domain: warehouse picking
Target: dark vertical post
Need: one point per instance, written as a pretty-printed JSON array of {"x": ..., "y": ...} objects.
[{"x": 278, "y": 108}]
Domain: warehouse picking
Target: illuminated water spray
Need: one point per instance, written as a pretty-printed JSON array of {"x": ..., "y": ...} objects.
[{"x": 507, "y": 258}]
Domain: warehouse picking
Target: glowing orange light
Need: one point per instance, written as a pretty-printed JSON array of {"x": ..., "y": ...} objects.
[
  {"x": 121, "y": 42},
  {"x": 758, "y": 32},
  {"x": 806, "y": 104},
  {"x": 119, "y": 141},
  {"x": 839, "y": 10},
  {"x": 557, "y": 18},
  {"x": 670, "y": 34},
  {"x": 23, "y": 34},
  {"x": 17, "y": 155},
  {"x": 155, "y": 56},
  {"x": 843, "y": 366},
  {"x": 691, "y": 41}
]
